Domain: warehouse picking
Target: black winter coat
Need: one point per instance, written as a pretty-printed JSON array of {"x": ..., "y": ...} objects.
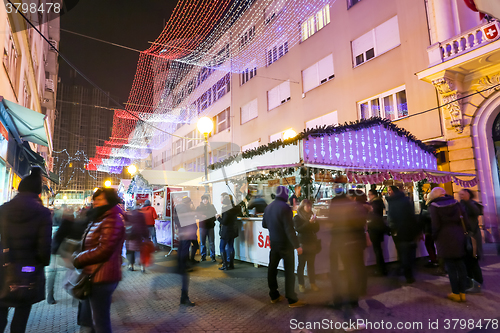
[
  {"x": 447, "y": 229},
  {"x": 278, "y": 218},
  {"x": 306, "y": 231},
  {"x": 209, "y": 212},
  {"x": 228, "y": 222},
  {"x": 29, "y": 231},
  {"x": 401, "y": 216},
  {"x": 473, "y": 211}
]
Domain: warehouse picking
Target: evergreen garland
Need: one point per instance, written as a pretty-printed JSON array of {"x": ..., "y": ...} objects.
[{"x": 324, "y": 130}]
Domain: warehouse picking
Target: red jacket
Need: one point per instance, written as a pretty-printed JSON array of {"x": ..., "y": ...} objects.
[
  {"x": 103, "y": 244},
  {"x": 150, "y": 214}
]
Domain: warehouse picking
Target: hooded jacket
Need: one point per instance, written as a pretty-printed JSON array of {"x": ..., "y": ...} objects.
[
  {"x": 28, "y": 227},
  {"x": 150, "y": 215},
  {"x": 278, "y": 218},
  {"x": 447, "y": 229}
]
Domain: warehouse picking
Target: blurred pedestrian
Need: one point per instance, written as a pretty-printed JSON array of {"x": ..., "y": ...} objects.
[
  {"x": 278, "y": 218},
  {"x": 136, "y": 231},
  {"x": 426, "y": 223},
  {"x": 348, "y": 219},
  {"x": 377, "y": 229},
  {"x": 404, "y": 229},
  {"x": 448, "y": 222},
  {"x": 184, "y": 218},
  {"x": 228, "y": 221},
  {"x": 25, "y": 228},
  {"x": 151, "y": 216},
  {"x": 473, "y": 210},
  {"x": 259, "y": 203},
  {"x": 101, "y": 255},
  {"x": 206, "y": 214},
  {"x": 306, "y": 225}
]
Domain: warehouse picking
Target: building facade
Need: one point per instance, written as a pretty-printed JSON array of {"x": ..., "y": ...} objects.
[
  {"x": 302, "y": 64},
  {"x": 464, "y": 67},
  {"x": 84, "y": 121},
  {"x": 27, "y": 78}
]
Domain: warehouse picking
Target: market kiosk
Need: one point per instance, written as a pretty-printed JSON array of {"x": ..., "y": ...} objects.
[{"x": 372, "y": 152}]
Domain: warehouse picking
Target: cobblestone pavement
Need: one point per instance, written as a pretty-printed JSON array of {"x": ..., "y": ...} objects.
[{"x": 238, "y": 301}]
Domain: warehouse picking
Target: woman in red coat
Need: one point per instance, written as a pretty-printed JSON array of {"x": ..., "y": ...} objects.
[{"x": 101, "y": 254}]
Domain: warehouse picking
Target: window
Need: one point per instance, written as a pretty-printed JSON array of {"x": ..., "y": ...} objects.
[
  {"x": 221, "y": 153},
  {"x": 222, "y": 121},
  {"x": 327, "y": 119},
  {"x": 315, "y": 22},
  {"x": 249, "y": 111},
  {"x": 273, "y": 10},
  {"x": 247, "y": 36},
  {"x": 250, "y": 146},
  {"x": 276, "y": 51},
  {"x": 278, "y": 95},
  {"x": 192, "y": 137},
  {"x": 27, "y": 94},
  {"x": 376, "y": 41},
  {"x": 249, "y": 72},
  {"x": 351, "y": 3},
  {"x": 275, "y": 137},
  {"x": 391, "y": 105},
  {"x": 11, "y": 57},
  {"x": 177, "y": 147},
  {"x": 317, "y": 74}
]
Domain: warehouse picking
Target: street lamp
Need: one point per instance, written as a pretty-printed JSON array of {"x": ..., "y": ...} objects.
[
  {"x": 95, "y": 189},
  {"x": 65, "y": 197},
  {"x": 205, "y": 126},
  {"x": 107, "y": 183},
  {"x": 132, "y": 169},
  {"x": 289, "y": 134}
]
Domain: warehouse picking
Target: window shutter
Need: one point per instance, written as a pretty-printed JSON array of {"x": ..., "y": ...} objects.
[
  {"x": 253, "y": 111},
  {"x": 273, "y": 98},
  {"x": 310, "y": 78},
  {"x": 325, "y": 69},
  {"x": 362, "y": 44},
  {"x": 284, "y": 92},
  {"x": 387, "y": 35}
]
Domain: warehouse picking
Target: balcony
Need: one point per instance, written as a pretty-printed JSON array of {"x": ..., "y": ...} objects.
[
  {"x": 49, "y": 85},
  {"x": 463, "y": 43}
]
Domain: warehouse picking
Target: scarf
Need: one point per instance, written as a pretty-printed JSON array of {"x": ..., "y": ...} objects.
[
  {"x": 95, "y": 213},
  {"x": 304, "y": 215}
]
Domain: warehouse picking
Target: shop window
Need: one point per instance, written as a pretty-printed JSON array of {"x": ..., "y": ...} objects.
[
  {"x": 317, "y": 74},
  {"x": 278, "y": 95},
  {"x": 391, "y": 105},
  {"x": 376, "y": 42}
]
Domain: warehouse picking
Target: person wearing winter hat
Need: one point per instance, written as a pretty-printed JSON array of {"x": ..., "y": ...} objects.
[
  {"x": 26, "y": 228},
  {"x": 278, "y": 218},
  {"x": 206, "y": 214}
]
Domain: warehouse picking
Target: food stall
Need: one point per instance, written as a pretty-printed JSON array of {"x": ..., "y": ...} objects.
[{"x": 373, "y": 151}]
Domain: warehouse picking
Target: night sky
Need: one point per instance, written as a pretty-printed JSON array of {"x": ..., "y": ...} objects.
[{"x": 132, "y": 23}]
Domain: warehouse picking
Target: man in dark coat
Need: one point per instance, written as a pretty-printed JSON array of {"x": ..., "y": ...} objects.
[
  {"x": 278, "y": 219},
  {"x": 404, "y": 229},
  {"x": 184, "y": 218},
  {"x": 206, "y": 214},
  {"x": 27, "y": 226}
]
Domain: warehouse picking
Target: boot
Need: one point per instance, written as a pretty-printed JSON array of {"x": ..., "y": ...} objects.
[
  {"x": 454, "y": 297},
  {"x": 475, "y": 289},
  {"x": 231, "y": 262},
  {"x": 224, "y": 263},
  {"x": 302, "y": 288},
  {"x": 186, "y": 301},
  {"x": 462, "y": 297},
  {"x": 50, "y": 299},
  {"x": 314, "y": 287}
]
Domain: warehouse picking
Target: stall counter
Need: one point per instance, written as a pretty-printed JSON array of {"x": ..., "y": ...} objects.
[{"x": 253, "y": 245}]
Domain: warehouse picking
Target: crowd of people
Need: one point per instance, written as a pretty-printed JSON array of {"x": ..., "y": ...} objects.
[{"x": 91, "y": 240}]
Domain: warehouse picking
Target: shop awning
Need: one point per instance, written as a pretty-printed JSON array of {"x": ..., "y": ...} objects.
[
  {"x": 29, "y": 125},
  {"x": 36, "y": 160},
  {"x": 170, "y": 178}
]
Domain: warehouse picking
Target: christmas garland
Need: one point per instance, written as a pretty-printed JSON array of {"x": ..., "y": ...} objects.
[{"x": 323, "y": 130}]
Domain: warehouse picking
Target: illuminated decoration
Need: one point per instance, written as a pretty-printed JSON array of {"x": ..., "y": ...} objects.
[
  {"x": 132, "y": 169},
  {"x": 289, "y": 134},
  {"x": 107, "y": 183},
  {"x": 95, "y": 189},
  {"x": 407, "y": 177},
  {"x": 205, "y": 125},
  {"x": 190, "y": 65}
]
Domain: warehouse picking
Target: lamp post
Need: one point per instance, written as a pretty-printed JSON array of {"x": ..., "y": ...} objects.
[{"x": 205, "y": 126}]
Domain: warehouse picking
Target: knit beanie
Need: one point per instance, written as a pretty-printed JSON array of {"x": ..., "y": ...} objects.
[{"x": 33, "y": 182}]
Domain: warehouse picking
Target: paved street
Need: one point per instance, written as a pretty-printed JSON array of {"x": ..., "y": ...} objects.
[{"x": 237, "y": 301}]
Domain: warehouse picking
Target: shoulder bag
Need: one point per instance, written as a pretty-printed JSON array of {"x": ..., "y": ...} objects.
[
  {"x": 19, "y": 283},
  {"x": 79, "y": 285},
  {"x": 470, "y": 242}
]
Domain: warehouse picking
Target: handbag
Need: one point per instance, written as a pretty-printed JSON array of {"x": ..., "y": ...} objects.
[
  {"x": 470, "y": 242},
  {"x": 19, "y": 284},
  {"x": 79, "y": 285}
]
